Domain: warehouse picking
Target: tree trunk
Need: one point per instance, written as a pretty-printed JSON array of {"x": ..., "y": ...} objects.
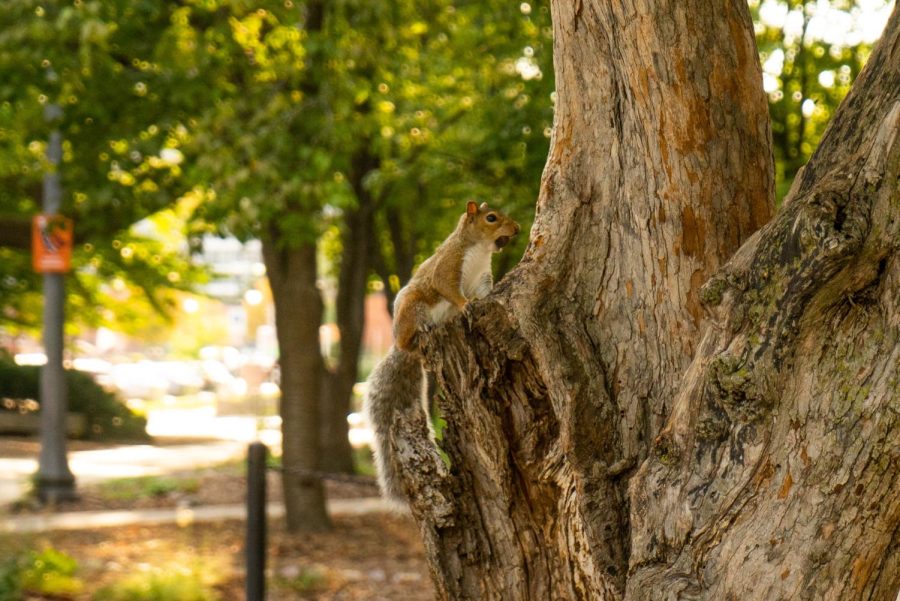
[
  {"x": 337, "y": 394},
  {"x": 403, "y": 254},
  {"x": 298, "y": 314},
  {"x": 779, "y": 464},
  {"x": 605, "y": 439},
  {"x": 337, "y": 454}
]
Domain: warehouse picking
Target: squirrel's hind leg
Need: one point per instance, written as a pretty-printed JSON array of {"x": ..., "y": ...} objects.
[
  {"x": 410, "y": 318},
  {"x": 404, "y": 333}
]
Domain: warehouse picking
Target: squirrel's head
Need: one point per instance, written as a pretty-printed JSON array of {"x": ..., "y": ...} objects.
[{"x": 489, "y": 224}]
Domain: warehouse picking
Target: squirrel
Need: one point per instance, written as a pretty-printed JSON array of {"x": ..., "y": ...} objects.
[{"x": 459, "y": 271}]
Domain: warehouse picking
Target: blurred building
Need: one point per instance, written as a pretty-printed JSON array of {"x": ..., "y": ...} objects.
[
  {"x": 238, "y": 281},
  {"x": 377, "y": 333}
]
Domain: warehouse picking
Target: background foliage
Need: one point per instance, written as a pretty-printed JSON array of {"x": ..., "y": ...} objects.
[{"x": 811, "y": 52}]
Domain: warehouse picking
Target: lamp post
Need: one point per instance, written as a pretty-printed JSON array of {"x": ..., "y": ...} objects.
[{"x": 55, "y": 482}]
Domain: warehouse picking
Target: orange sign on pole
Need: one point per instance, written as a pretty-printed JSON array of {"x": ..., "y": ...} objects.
[{"x": 51, "y": 243}]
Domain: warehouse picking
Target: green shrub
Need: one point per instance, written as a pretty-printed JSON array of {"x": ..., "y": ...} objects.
[
  {"x": 10, "y": 580},
  {"x": 107, "y": 417},
  {"x": 49, "y": 573}
]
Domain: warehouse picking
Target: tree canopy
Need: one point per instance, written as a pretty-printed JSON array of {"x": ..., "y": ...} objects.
[
  {"x": 122, "y": 161},
  {"x": 252, "y": 119}
]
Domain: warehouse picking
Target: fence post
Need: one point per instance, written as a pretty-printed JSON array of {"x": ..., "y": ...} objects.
[{"x": 255, "y": 551}]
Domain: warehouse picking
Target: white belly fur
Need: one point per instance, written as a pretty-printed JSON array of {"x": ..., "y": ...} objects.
[
  {"x": 440, "y": 311},
  {"x": 476, "y": 271}
]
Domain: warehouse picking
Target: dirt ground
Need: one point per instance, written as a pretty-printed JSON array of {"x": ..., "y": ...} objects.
[
  {"x": 367, "y": 558},
  {"x": 374, "y": 557}
]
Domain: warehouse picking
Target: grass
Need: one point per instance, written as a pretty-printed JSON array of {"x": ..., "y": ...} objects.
[
  {"x": 306, "y": 580},
  {"x": 132, "y": 489}
]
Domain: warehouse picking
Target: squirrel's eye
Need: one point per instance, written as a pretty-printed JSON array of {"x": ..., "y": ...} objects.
[{"x": 491, "y": 218}]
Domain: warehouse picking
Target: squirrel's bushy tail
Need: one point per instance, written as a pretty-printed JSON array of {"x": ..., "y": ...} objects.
[{"x": 395, "y": 388}]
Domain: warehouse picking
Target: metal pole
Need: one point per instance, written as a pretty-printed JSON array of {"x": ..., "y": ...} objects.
[
  {"x": 255, "y": 550},
  {"x": 55, "y": 481}
]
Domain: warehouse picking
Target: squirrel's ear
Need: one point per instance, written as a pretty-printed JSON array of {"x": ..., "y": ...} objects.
[
  {"x": 471, "y": 208},
  {"x": 484, "y": 206}
]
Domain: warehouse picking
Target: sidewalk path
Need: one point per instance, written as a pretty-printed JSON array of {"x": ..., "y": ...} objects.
[
  {"x": 120, "y": 462},
  {"x": 88, "y": 520}
]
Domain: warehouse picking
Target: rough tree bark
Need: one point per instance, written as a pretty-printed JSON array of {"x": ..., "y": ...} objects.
[
  {"x": 298, "y": 314},
  {"x": 608, "y": 441}
]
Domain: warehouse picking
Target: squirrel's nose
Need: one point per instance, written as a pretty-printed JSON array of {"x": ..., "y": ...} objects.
[{"x": 516, "y": 225}]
